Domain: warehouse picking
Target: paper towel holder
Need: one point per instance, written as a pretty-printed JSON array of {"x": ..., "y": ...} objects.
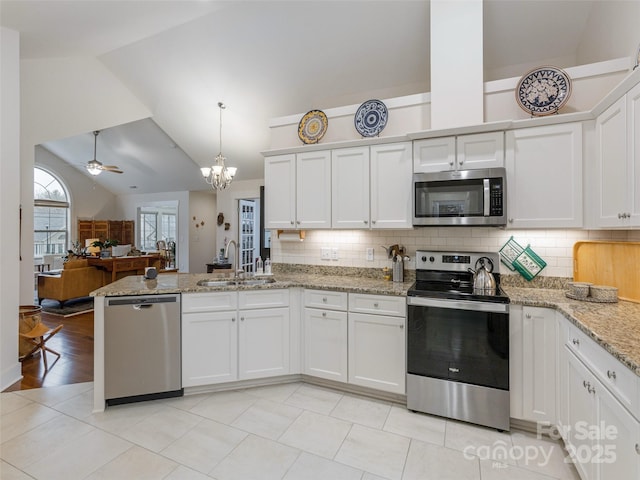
[{"x": 291, "y": 235}]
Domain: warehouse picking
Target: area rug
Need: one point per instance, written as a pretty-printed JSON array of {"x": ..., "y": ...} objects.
[{"x": 77, "y": 306}]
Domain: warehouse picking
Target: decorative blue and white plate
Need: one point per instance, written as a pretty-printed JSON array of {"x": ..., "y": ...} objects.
[
  {"x": 371, "y": 118},
  {"x": 543, "y": 91},
  {"x": 312, "y": 126}
]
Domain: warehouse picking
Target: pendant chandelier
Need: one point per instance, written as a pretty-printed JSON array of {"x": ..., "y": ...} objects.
[{"x": 219, "y": 176}]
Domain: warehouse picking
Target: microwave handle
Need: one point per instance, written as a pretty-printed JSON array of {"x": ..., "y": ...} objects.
[{"x": 487, "y": 197}]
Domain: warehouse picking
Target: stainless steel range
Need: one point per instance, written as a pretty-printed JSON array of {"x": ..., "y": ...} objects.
[{"x": 458, "y": 340}]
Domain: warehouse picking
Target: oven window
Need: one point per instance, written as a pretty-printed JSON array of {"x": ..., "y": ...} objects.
[
  {"x": 459, "y": 198},
  {"x": 459, "y": 345}
]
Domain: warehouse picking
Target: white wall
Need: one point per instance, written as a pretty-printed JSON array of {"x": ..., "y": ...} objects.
[
  {"x": 10, "y": 371},
  {"x": 202, "y": 238},
  {"x": 89, "y": 201},
  {"x": 554, "y": 246}
]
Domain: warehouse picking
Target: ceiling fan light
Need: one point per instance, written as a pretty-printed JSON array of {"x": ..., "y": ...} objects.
[{"x": 93, "y": 167}]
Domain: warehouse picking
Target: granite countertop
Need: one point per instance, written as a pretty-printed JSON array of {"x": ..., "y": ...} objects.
[{"x": 614, "y": 326}]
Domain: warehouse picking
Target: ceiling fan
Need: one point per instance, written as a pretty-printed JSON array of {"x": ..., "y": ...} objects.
[{"x": 94, "y": 167}]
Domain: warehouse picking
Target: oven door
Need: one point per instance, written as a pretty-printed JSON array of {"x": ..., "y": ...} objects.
[{"x": 458, "y": 340}]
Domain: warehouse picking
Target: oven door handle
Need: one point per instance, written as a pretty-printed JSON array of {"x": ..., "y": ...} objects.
[{"x": 459, "y": 304}]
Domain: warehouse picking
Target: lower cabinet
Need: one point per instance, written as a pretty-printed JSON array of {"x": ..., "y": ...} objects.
[
  {"x": 229, "y": 336},
  {"x": 377, "y": 342},
  {"x": 325, "y": 344},
  {"x": 601, "y": 435},
  {"x": 533, "y": 363}
]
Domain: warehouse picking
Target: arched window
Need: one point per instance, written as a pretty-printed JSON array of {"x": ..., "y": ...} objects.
[{"x": 50, "y": 215}]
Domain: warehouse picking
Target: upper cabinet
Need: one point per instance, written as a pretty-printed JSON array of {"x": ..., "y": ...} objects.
[
  {"x": 544, "y": 176},
  {"x": 298, "y": 190},
  {"x": 464, "y": 152},
  {"x": 617, "y": 170},
  {"x": 371, "y": 186}
]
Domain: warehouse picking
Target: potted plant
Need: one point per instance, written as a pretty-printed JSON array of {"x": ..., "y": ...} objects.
[{"x": 105, "y": 247}]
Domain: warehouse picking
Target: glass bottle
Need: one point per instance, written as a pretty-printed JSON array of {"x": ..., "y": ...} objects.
[
  {"x": 259, "y": 267},
  {"x": 267, "y": 266}
]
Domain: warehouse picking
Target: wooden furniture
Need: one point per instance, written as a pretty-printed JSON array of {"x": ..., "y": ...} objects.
[
  {"x": 39, "y": 336},
  {"x": 121, "y": 230},
  {"x": 126, "y": 265}
]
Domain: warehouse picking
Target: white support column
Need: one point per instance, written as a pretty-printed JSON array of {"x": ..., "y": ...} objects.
[{"x": 457, "y": 71}]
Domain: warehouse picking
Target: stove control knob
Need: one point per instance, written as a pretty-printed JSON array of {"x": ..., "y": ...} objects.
[
  {"x": 424, "y": 258},
  {"x": 432, "y": 259}
]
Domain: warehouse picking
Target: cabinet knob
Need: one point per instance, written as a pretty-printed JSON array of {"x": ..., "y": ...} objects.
[
  {"x": 511, "y": 220},
  {"x": 575, "y": 341},
  {"x": 611, "y": 374},
  {"x": 620, "y": 215},
  {"x": 298, "y": 222},
  {"x": 585, "y": 384},
  {"x": 324, "y": 299},
  {"x": 451, "y": 164},
  {"x": 291, "y": 222},
  {"x": 324, "y": 314},
  {"x": 638, "y": 448},
  {"x": 460, "y": 162},
  {"x": 233, "y": 319},
  {"x": 528, "y": 315},
  {"x": 401, "y": 327},
  {"x": 591, "y": 389},
  {"x": 375, "y": 305},
  {"x": 373, "y": 221},
  {"x": 242, "y": 319},
  {"x": 628, "y": 215},
  {"x": 366, "y": 221}
]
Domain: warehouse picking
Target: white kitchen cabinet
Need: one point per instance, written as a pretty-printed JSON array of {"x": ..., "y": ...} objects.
[
  {"x": 391, "y": 186},
  {"x": 533, "y": 363},
  {"x": 464, "y": 152},
  {"x": 325, "y": 334},
  {"x": 617, "y": 172},
  {"x": 350, "y": 188},
  {"x": 377, "y": 343},
  {"x": 298, "y": 191},
  {"x": 544, "y": 176},
  {"x": 371, "y": 187},
  {"x": 209, "y": 338},
  {"x": 230, "y": 335}
]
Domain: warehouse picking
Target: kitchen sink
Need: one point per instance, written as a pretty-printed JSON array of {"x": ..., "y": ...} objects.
[
  {"x": 228, "y": 283},
  {"x": 256, "y": 281},
  {"x": 215, "y": 283}
]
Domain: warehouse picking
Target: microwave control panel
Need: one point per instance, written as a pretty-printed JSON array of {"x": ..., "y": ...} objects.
[{"x": 496, "y": 197}]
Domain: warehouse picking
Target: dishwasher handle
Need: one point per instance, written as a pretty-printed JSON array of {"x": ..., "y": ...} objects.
[
  {"x": 142, "y": 306},
  {"x": 145, "y": 301}
]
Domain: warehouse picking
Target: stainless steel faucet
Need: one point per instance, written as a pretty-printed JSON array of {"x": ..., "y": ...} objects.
[{"x": 235, "y": 256}]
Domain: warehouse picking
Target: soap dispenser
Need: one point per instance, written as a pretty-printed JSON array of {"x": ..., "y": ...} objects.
[{"x": 259, "y": 268}]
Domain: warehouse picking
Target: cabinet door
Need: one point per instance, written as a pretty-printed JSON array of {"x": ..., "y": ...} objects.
[
  {"x": 544, "y": 176},
  {"x": 263, "y": 343},
  {"x": 377, "y": 351},
  {"x": 434, "y": 155},
  {"x": 482, "y": 150},
  {"x": 280, "y": 191},
  {"x": 325, "y": 344},
  {"x": 313, "y": 190},
  {"x": 539, "y": 341},
  {"x": 619, "y": 437},
  {"x": 350, "y": 188},
  {"x": 209, "y": 348},
  {"x": 85, "y": 231},
  {"x": 633, "y": 137},
  {"x": 582, "y": 411},
  {"x": 516, "y": 370},
  {"x": 611, "y": 171},
  {"x": 391, "y": 186}
]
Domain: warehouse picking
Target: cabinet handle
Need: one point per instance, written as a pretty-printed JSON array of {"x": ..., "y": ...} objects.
[
  {"x": 401, "y": 327},
  {"x": 324, "y": 299},
  {"x": 375, "y": 305},
  {"x": 528, "y": 315},
  {"x": 365, "y": 222},
  {"x": 242, "y": 319},
  {"x": 590, "y": 389},
  {"x": 373, "y": 222},
  {"x": 460, "y": 162},
  {"x": 628, "y": 215},
  {"x": 291, "y": 222},
  {"x": 638, "y": 448},
  {"x": 324, "y": 314},
  {"x": 298, "y": 222},
  {"x": 511, "y": 220},
  {"x": 611, "y": 374},
  {"x": 451, "y": 164},
  {"x": 575, "y": 341},
  {"x": 585, "y": 384},
  {"x": 233, "y": 319}
]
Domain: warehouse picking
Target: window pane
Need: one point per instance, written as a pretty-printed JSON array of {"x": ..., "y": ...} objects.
[
  {"x": 48, "y": 218},
  {"x": 148, "y": 230},
  {"x": 45, "y": 186},
  {"x": 50, "y": 215}
]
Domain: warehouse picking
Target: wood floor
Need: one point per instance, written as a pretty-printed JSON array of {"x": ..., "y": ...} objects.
[{"x": 74, "y": 342}]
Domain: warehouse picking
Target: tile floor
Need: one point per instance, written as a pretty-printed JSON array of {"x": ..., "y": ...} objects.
[{"x": 291, "y": 431}]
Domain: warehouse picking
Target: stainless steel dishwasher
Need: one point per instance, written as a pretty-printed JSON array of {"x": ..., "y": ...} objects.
[{"x": 142, "y": 348}]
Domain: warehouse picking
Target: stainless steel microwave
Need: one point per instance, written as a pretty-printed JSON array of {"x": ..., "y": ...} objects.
[{"x": 460, "y": 197}]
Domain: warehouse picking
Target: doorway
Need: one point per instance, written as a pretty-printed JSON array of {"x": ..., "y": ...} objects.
[{"x": 248, "y": 233}]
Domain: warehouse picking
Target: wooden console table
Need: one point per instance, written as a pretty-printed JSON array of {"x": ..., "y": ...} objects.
[{"x": 130, "y": 265}]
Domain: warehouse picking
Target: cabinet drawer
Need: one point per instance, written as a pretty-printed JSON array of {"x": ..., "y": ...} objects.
[
  {"x": 209, "y": 302},
  {"x": 267, "y": 298},
  {"x": 325, "y": 299},
  {"x": 377, "y": 304},
  {"x": 619, "y": 379}
]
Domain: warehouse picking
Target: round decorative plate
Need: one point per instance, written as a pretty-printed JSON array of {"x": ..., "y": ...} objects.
[
  {"x": 371, "y": 118},
  {"x": 313, "y": 126},
  {"x": 543, "y": 91}
]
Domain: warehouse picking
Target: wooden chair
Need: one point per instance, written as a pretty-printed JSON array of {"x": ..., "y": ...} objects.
[{"x": 37, "y": 337}]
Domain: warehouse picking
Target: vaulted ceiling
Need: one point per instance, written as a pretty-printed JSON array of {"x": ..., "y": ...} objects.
[{"x": 263, "y": 59}]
